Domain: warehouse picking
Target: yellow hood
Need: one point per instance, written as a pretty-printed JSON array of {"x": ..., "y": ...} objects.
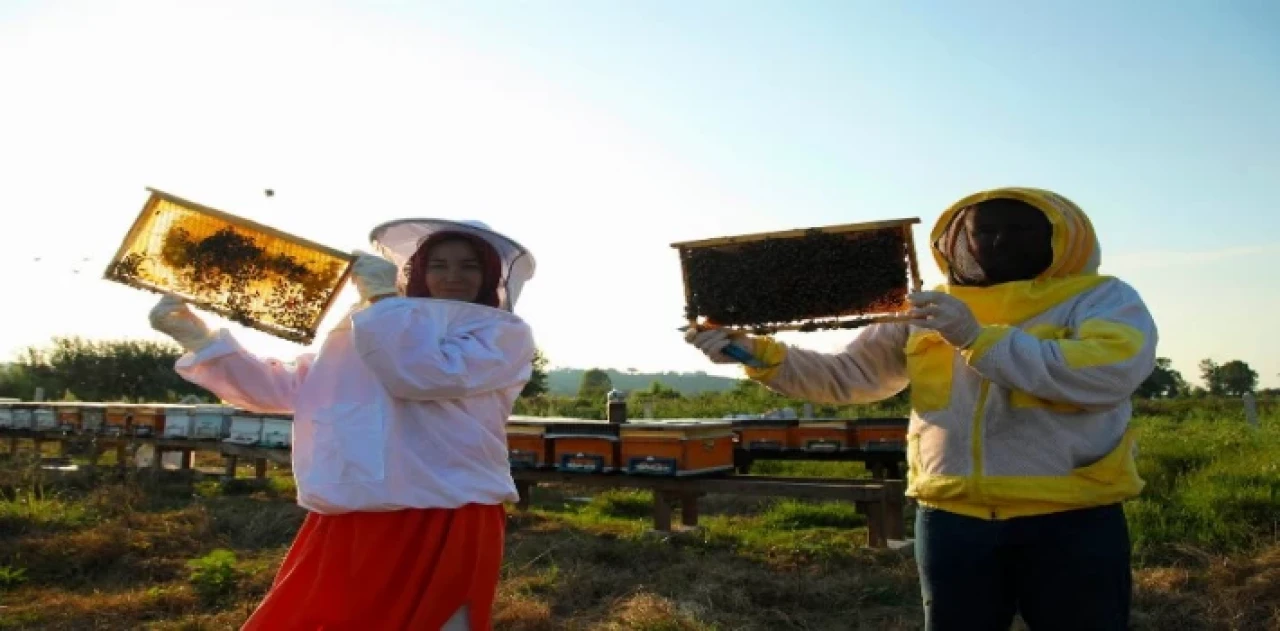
[{"x": 1076, "y": 257}]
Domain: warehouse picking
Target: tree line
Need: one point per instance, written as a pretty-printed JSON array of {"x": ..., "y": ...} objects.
[{"x": 73, "y": 368}]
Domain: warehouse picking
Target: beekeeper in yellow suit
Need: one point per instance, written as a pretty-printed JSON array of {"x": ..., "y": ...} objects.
[{"x": 1021, "y": 371}]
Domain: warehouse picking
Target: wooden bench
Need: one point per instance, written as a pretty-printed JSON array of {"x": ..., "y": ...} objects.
[{"x": 881, "y": 501}]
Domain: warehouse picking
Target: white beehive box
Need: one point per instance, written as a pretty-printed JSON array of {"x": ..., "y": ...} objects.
[
  {"x": 178, "y": 421},
  {"x": 277, "y": 432},
  {"x": 23, "y": 416},
  {"x": 92, "y": 416},
  {"x": 210, "y": 422},
  {"x": 246, "y": 429},
  {"x": 44, "y": 418},
  {"x": 6, "y": 415}
]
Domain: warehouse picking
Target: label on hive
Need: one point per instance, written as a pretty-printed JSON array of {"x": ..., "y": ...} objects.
[
  {"x": 823, "y": 445},
  {"x": 765, "y": 445},
  {"x": 884, "y": 444},
  {"x": 522, "y": 459},
  {"x": 649, "y": 465},
  {"x": 582, "y": 463}
]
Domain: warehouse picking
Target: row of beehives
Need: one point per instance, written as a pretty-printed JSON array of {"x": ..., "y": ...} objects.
[
  {"x": 684, "y": 447},
  {"x": 180, "y": 422}
]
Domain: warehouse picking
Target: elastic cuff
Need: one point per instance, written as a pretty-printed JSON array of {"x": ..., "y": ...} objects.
[
  {"x": 218, "y": 344},
  {"x": 771, "y": 354},
  {"x": 990, "y": 335}
]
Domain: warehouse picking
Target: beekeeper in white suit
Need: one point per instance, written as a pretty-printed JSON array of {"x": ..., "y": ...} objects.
[{"x": 399, "y": 443}]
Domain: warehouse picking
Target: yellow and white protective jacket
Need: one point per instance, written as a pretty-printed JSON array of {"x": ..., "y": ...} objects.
[{"x": 1033, "y": 418}]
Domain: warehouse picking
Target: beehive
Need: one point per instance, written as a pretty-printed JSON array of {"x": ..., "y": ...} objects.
[
  {"x": 277, "y": 431},
  {"x": 881, "y": 434},
  {"x": 70, "y": 416},
  {"x": 831, "y": 277},
  {"x": 117, "y": 419},
  {"x": 23, "y": 416},
  {"x": 824, "y": 436},
  {"x": 246, "y": 429},
  {"x": 178, "y": 421},
  {"x": 6, "y": 414},
  {"x": 677, "y": 448},
  {"x": 765, "y": 434},
  {"x": 147, "y": 420},
  {"x": 527, "y": 444},
  {"x": 92, "y": 417},
  {"x": 44, "y": 418},
  {"x": 211, "y": 422},
  {"x": 250, "y": 273},
  {"x": 583, "y": 446}
]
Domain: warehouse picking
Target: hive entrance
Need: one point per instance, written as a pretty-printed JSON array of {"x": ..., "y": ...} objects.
[
  {"x": 252, "y": 274},
  {"x": 801, "y": 280}
]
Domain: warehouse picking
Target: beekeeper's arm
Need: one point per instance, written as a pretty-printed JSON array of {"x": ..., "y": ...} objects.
[
  {"x": 873, "y": 367},
  {"x": 1099, "y": 365},
  {"x": 429, "y": 349},
  {"x": 216, "y": 362}
]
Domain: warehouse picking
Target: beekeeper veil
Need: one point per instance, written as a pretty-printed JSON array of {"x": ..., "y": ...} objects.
[{"x": 399, "y": 239}]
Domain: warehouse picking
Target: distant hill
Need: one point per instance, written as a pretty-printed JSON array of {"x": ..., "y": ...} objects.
[{"x": 565, "y": 381}]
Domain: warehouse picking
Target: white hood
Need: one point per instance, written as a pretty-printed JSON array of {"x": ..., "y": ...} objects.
[{"x": 397, "y": 240}]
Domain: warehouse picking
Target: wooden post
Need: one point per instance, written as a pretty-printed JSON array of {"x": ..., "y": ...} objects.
[
  {"x": 525, "y": 489},
  {"x": 895, "y": 526},
  {"x": 875, "y": 512},
  {"x": 689, "y": 509},
  {"x": 95, "y": 454},
  {"x": 260, "y": 468},
  {"x": 122, "y": 458},
  {"x": 661, "y": 511},
  {"x": 230, "y": 470},
  {"x": 188, "y": 459}
]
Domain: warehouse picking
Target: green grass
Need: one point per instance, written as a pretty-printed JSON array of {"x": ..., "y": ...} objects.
[
  {"x": 112, "y": 553},
  {"x": 1211, "y": 486}
]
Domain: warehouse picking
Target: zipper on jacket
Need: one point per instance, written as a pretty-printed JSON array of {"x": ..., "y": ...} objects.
[{"x": 976, "y": 443}]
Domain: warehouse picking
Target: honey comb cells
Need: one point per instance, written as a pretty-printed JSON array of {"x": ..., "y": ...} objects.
[
  {"x": 805, "y": 278},
  {"x": 250, "y": 274}
]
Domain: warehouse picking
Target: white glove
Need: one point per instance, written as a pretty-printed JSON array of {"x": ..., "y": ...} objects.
[
  {"x": 172, "y": 317},
  {"x": 374, "y": 276},
  {"x": 947, "y": 315},
  {"x": 712, "y": 341}
]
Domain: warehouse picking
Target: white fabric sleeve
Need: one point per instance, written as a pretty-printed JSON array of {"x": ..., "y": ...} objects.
[
  {"x": 873, "y": 367},
  {"x": 226, "y": 369},
  {"x": 1099, "y": 364}
]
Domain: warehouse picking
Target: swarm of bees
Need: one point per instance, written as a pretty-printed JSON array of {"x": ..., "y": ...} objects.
[{"x": 774, "y": 281}]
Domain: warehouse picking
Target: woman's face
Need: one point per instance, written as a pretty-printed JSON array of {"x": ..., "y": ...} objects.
[{"x": 454, "y": 271}]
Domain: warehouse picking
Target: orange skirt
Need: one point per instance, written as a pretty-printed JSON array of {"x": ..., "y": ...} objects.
[{"x": 409, "y": 569}]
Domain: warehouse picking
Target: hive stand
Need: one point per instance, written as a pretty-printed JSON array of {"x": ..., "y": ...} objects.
[{"x": 881, "y": 501}]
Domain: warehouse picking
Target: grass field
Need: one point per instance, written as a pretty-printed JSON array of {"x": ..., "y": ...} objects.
[{"x": 184, "y": 554}]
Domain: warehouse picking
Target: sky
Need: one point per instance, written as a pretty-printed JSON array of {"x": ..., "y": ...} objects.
[{"x": 598, "y": 133}]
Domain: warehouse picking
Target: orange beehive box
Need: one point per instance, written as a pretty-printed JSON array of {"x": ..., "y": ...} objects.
[
  {"x": 881, "y": 434},
  {"x": 677, "y": 448},
  {"x": 147, "y": 420},
  {"x": 584, "y": 446},
  {"x": 68, "y": 416},
  {"x": 824, "y": 436},
  {"x": 527, "y": 444},
  {"x": 117, "y": 419},
  {"x": 766, "y": 434}
]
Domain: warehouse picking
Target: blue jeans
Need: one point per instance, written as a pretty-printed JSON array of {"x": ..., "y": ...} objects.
[{"x": 1066, "y": 570}]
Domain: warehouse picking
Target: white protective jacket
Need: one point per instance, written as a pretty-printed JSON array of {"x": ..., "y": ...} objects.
[
  {"x": 1033, "y": 417},
  {"x": 405, "y": 404}
]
